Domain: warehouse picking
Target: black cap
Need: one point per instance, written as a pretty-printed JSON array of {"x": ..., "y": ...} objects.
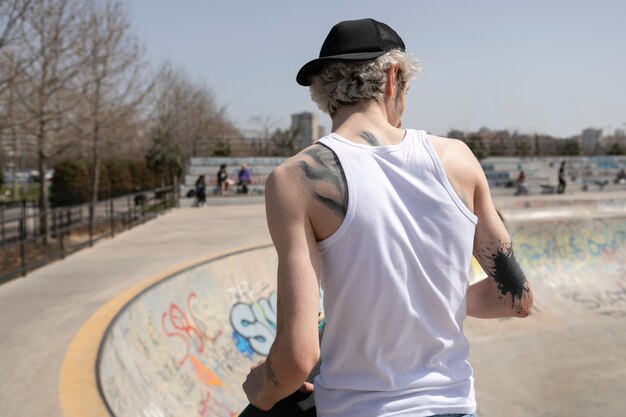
[{"x": 352, "y": 40}]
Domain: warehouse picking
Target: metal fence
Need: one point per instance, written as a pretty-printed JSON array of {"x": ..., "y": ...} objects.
[{"x": 28, "y": 239}]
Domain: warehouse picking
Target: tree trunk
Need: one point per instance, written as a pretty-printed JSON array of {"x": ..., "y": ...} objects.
[
  {"x": 95, "y": 142},
  {"x": 44, "y": 206}
]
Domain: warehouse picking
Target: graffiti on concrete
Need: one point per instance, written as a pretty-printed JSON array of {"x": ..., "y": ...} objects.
[
  {"x": 170, "y": 352},
  {"x": 254, "y": 325},
  {"x": 571, "y": 247},
  {"x": 583, "y": 260},
  {"x": 211, "y": 406},
  {"x": 610, "y": 303},
  {"x": 182, "y": 325}
]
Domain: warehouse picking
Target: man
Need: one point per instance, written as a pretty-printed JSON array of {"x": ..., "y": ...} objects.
[
  {"x": 386, "y": 219},
  {"x": 562, "y": 182},
  {"x": 222, "y": 179}
]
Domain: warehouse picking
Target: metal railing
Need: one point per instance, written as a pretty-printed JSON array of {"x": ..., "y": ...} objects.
[{"x": 28, "y": 239}]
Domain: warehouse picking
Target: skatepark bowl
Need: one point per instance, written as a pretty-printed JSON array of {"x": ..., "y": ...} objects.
[{"x": 182, "y": 345}]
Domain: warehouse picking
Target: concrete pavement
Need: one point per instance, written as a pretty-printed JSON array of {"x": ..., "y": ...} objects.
[
  {"x": 42, "y": 312},
  {"x": 565, "y": 360}
]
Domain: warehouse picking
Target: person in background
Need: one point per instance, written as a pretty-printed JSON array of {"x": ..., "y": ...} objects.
[
  {"x": 222, "y": 180},
  {"x": 562, "y": 183},
  {"x": 200, "y": 189},
  {"x": 244, "y": 178},
  {"x": 386, "y": 219},
  {"x": 620, "y": 178},
  {"x": 522, "y": 187}
]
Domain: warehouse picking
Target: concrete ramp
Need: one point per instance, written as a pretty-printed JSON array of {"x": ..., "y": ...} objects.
[
  {"x": 183, "y": 346},
  {"x": 567, "y": 359},
  {"x": 578, "y": 266},
  {"x": 574, "y": 252}
]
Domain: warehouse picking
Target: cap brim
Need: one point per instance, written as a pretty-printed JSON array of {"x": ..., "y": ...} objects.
[{"x": 313, "y": 67}]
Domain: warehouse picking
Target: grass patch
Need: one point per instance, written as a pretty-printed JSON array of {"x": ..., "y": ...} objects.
[{"x": 26, "y": 192}]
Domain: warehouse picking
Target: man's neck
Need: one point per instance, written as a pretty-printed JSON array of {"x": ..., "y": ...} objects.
[
  {"x": 361, "y": 113},
  {"x": 366, "y": 118}
]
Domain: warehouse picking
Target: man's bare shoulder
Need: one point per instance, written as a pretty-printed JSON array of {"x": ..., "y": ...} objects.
[
  {"x": 454, "y": 151},
  {"x": 293, "y": 168},
  {"x": 315, "y": 175},
  {"x": 449, "y": 145}
]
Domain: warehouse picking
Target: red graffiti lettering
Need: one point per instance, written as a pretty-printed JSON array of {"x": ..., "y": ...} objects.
[
  {"x": 185, "y": 328},
  {"x": 206, "y": 407}
]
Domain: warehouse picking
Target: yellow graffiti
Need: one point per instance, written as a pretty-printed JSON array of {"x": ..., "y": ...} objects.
[{"x": 476, "y": 271}]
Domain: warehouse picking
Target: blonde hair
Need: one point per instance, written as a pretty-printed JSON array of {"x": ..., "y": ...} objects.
[{"x": 344, "y": 83}]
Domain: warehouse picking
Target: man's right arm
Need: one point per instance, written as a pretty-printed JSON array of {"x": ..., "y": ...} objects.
[{"x": 505, "y": 292}]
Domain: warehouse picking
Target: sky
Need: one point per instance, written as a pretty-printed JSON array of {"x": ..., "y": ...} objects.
[{"x": 535, "y": 66}]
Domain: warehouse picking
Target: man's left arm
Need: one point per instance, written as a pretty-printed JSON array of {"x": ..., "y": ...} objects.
[{"x": 295, "y": 350}]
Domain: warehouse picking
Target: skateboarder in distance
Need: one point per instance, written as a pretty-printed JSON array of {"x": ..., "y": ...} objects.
[{"x": 386, "y": 220}]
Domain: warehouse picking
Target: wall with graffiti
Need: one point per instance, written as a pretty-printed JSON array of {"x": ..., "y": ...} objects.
[
  {"x": 578, "y": 266},
  {"x": 184, "y": 346}
]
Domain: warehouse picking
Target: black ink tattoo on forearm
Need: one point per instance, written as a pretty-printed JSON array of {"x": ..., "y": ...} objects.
[
  {"x": 370, "y": 139},
  {"x": 506, "y": 272},
  {"x": 270, "y": 374},
  {"x": 325, "y": 171}
]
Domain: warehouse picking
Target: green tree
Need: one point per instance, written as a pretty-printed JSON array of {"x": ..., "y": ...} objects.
[
  {"x": 476, "y": 144},
  {"x": 523, "y": 149},
  {"x": 616, "y": 149},
  {"x": 222, "y": 149},
  {"x": 120, "y": 178},
  {"x": 165, "y": 157},
  {"x": 143, "y": 178},
  {"x": 570, "y": 147},
  {"x": 283, "y": 141},
  {"x": 70, "y": 183},
  {"x": 456, "y": 134}
]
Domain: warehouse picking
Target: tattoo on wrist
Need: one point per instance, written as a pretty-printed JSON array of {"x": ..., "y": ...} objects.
[
  {"x": 507, "y": 273},
  {"x": 269, "y": 373},
  {"x": 325, "y": 179}
]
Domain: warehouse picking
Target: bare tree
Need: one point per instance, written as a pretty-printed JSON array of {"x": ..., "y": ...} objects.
[
  {"x": 113, "y": 77},
  {"x": 265, "y": 125},
  {"x": 11, "y": 20},
  {"x": 188, "y": 111},
  {"x": 50, "y": 34}
]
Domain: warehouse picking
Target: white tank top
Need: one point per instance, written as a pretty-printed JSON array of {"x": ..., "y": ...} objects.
[{"x": 394, "y": 277}]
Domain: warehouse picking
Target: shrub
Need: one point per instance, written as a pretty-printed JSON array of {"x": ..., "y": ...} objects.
[
  {"x": 119, "y": 176},
  {"x": 71, "y": 183}
]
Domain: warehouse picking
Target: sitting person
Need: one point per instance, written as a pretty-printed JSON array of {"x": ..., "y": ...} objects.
[
  {"x": 200, "y": 189},
  {"x": 244, "y": 179}
]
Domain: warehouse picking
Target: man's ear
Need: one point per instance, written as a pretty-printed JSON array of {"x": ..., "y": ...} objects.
[{"x": 392, "y": 78}]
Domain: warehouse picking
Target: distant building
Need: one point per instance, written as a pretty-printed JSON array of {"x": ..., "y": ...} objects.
[
  {"x": 590, "y": 140},
  {"x": 307, "y": 129},
  {"x": 321, "y": 130}
]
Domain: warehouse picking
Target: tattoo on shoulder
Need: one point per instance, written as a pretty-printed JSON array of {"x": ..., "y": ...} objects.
[
  {"x": 370, "y": 139},
  {"x": 269, "y": 373},
  {"x": 325, "y": 178},
  {"x": 507, "y": 272}
]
